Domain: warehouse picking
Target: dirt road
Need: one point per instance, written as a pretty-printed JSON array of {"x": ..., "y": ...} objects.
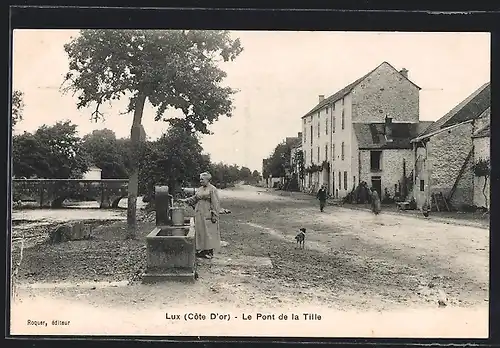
[{"x": 364, "y": 275}]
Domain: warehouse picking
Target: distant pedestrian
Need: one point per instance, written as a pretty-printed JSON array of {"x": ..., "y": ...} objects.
[
  {"x": 376, "y": 208},
  {"x": 322, "y": 197}
]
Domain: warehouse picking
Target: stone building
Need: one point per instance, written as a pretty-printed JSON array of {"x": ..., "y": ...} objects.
[
  {"x": 444, "y": 152},
  {"x": 385, "y": 155},
  {"x": 344, "y": 131}
]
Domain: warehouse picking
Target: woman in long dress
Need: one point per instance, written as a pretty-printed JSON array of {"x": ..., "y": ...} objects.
[
  {"x": 206, "y": 205},
  {"x": 376, "y": 207}
]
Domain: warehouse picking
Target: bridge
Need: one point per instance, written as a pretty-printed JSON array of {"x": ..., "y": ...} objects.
[{"x": 51, "y": 193}]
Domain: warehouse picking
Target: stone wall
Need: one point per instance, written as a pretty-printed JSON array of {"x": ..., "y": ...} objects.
[
  {"x": 446, "y": 154},
  {"x": 421, "y": 173},
  {"x": 391, "y": 168},
  {"x": 385, "y": 93}
]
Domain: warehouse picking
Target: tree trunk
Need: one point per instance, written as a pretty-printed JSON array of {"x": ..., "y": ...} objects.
[
  {"x": 484, "y": 193},
  {"x": 133, "y": 181}
]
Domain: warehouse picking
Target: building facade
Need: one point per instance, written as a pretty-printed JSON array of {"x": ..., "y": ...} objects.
[
  {"x": 335, "y": 144},
  {"x": 444, "y": 152}
]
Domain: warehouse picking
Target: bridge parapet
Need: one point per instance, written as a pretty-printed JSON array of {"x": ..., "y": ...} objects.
[{"x": 53, "y": 192}]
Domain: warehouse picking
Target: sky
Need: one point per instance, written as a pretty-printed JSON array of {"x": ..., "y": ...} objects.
[{"x": 279, "y": 76}]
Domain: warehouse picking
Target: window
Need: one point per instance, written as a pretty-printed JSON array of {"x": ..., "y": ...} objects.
[
  {"x": 333, "y": 106},
  {"x": 326, "y": 152},
  {"x": 333, "y": 152},
  {"x": 333, "y": 123},
  {"x": 375, "y": 157},
  {"x": 304, "y": 120},
  {"x": 340, "y": 181},
  {"x": 422, "y": 185},
  {"x": 312, "y": 156},
  {"x": 319, "y": 127},
  {"x": 304, "y": 135},
  {"x": 311, "y": 134},
  {"x": 305, "y": 156},
  {"x": 333, "y": 181},
  {"x": 343, "y": 119},
  {"x": 345, "y": 180},
  {"x": 326, "y": 110},
  {"x": 342, "y": 151},
  {"x": 354, "y": 181},
  {"x": 318, "y": 155},
  {"x": 326, "y": 125}
]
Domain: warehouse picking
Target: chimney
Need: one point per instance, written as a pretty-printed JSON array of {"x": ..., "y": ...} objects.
[
  {"x": 388, "y": 129},
  {"x": 404, "y": 72},
  {"x": 299, "y": 135},
  {"x": 321, "y": 97}
]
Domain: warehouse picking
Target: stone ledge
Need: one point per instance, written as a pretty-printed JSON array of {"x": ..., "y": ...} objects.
[
  {"x": 70, "y": 231},
  {"x": 152, "y": 278}
]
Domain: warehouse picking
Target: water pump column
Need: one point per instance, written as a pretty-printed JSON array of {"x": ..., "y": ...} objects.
[{"x": 162, "y": 203}]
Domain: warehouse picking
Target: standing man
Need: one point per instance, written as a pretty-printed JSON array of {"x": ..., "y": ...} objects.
[{"x": 322, "y": 197}]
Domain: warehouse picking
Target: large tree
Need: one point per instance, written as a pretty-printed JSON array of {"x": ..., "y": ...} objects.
[
  {"x": 256, "y": 176},
  {"x": 51, "y": 152},
  {"x": 245, "y": 174},
  {"x": 168, "y": 68},
  {"x": 17, "y": 106},
  {"x": 107, "y": 153},
  {"x": 279, "y": 161}
]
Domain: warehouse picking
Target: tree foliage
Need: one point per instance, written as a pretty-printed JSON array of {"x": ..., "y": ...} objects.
[
  {"x": 171, "y": 68},
  {"x": 299, "y": 160},
  {"x": 175, "y": 159},
  {"x": 245, "y": 174},
  {"x": 482, "y": 170},
  {"x": 107, "y": 153},
  {"x": 224, "y": 175},
  {"x": 256, "y": 176},
  {"x": 279, "y": 161},
  {"x": 17, "y": 107},
  {"x": 50, "y": 152}
]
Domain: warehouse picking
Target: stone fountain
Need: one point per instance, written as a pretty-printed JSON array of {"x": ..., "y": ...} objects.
[{"x": 170, "y": 248}]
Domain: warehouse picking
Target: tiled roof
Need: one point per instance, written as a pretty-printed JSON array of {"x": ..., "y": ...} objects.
[
  {"x": 484, "y": 132},
  {"x": 346, "y": 90},
  {"x": 371, "y": 135},
  {"x": 469, "y": 108}
]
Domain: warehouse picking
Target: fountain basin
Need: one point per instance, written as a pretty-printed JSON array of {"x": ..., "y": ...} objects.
[{"x": 171, "y": 253}]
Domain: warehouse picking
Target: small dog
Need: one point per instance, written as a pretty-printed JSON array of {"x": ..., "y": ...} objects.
[{"x": 301, "y": 237}]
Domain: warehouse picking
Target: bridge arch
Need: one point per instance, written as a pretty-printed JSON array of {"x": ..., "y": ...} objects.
[{"x": 116, "y": 201}]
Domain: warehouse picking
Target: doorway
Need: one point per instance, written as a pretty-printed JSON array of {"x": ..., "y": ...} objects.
[
  {"x": 326, "y": 179},
  {"x": 377, "y": 184}
]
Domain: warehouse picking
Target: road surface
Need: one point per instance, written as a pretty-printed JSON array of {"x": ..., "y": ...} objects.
[{"x": 365, "y": 275}]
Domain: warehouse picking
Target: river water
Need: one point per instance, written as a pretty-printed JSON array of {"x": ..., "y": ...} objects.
[{"x": 28, "y": 218}]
